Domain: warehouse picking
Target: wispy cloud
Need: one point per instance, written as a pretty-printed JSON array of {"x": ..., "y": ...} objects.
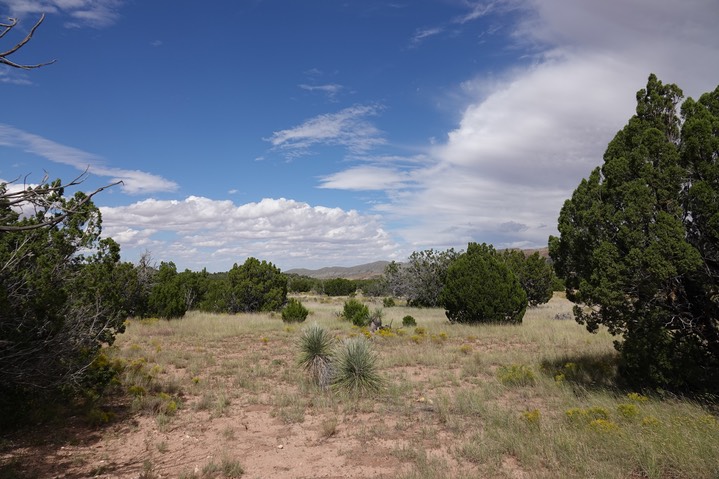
[
  {"x": 348, "y": 128},
  {"x": 477, "y": 10},
  {"x": 367, "y": 178},
  {"x": 527, "y": 137},
  {"x": 329, "y": 89},
  {"x": 474, "y": 11},
  {"x": 80, "y": 13},
  {"x": 424, "y": 33},
  {"x": 135, "y": 181},
  {"x": 201, "y": 232},
  {"x": 12, "y": 76}
]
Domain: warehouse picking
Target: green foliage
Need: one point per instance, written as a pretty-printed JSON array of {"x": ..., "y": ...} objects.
[
  {"x": 638, "y": 242},
  {"x": 256, "y": 286},
  {"x": 409, "y": 321},
  {"x": 62, "y": 297},
  {"x": 301, "y": 284},
  {"x": 217, "y": 294},
  {"x": 339, "y": 287},
  {"x": 355, "y": 367},
  {"x": 534, "y": 273},
  {"x": 480, "y": 288},
  {"x": 294, "y": 311},
  {"x": 374, "y": 287},
  {"x": 388, "y": 302},
  {"x": 315, "y": 346},
  {"x": 167, "y": 296},
  {"x": 422, "y": 278},
  {"x": 356, "y": 312}
]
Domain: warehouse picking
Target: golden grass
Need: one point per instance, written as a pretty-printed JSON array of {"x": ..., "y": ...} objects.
[{"x": 569, "y": 420}]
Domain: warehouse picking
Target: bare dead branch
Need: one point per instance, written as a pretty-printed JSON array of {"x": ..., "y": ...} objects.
[
  {"x": 6, "y": 27},
  {"x": 38, "y": 198}
]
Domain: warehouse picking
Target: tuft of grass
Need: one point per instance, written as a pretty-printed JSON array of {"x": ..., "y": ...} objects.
[
  {"x": 355, "y": 367},
  {"x": 316, "y": 353},
  {"x": 328, "y": 428},
  {"x": 516, "y": 375},
  {"x": 228, "y": 468}
]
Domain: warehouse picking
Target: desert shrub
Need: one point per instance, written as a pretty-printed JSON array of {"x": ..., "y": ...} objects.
[
  {"x": 516, "y": 375},
  {"x": 166, "y": 298},
  {"x": 356, "y": 312},
  {"x": 256, "y": 286},
  {"x": 339, "y": 287},
  {"x": 294, "y": 311},
  {"x": 480, "y": 288},
  {"x": 316, "y": 352},
  {"x": 388, "y": 302},
  {"x": 409, "y": 321},
  {"x": 355, "y": 367}
]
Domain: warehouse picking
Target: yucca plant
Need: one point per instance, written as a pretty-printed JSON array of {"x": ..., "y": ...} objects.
[
  {"x": 316, "y": 353},
  {"x": 355, "y": 367}
]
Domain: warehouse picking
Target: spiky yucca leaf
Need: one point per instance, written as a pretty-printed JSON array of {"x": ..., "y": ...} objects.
[
  {"x": 355, "y": 367},
  {"x": 315, "y": 353}
]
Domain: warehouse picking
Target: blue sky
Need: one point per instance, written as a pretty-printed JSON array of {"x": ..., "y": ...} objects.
[{"x": 321, "y": 133}]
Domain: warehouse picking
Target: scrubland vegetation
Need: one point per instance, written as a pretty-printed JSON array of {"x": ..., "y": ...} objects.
[
  {"x": 215, "y": 373},
  {"x": 537, "y": 400}
]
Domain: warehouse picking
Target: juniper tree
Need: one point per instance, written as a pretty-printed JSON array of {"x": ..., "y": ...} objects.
[
  {"x": 481, "y": 288},
  {"x": 638, "y": 240}
]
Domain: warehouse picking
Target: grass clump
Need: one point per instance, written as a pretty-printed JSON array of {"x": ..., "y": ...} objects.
[
  {"x": 294, "y": 311},
  {"x": 516, "y": 375},
  {"x": 355, "y": 367},
  {"x": 316, "y": 353}
]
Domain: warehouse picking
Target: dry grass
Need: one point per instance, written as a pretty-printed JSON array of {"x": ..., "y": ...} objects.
[{"x": 456, "y": 400}]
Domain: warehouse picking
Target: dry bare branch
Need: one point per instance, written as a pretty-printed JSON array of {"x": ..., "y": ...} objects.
[
  {"x": 6, "y": 27},
  {"x": 38, "y": 198}
]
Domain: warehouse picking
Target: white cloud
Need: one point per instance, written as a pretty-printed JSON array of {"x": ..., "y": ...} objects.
[
  {"x": 15, "y": 77},
  {"x": 200, "y": 232},
  {"x": 477, "y": 10},
  {"x": 135, "y": 182},
  {"x": 329, "y": 89},
  {"x": 92, "y": 13},
  {"x": 526, "y": 139},
  {"x": 367, "y": 178},
  {"x": 423, "y": 33},
  {"x": 347, "y": 128}
]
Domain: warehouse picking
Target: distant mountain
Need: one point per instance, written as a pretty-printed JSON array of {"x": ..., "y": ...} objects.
[
  {"x": 363, "y": 271},
  {"x": 369, "y": 270}
]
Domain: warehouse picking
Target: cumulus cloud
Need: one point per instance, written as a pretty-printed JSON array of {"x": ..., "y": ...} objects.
[
  {"x": 524, "y": 142},
  {"x": 201, "y": 232},
  {"x": 134, "y": 181},
  {"x": 80, "y": 13},
  {"x": 348, "y": 128}
]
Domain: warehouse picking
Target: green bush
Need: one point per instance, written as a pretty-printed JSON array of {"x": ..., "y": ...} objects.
[
  {"x": 356, "y": 312},
  {"x": 316, "y": 353},
  {"x": 388, "y": 302},
  {"x": 294, "y": 311},
  {"x": 481, "y": 288},
  {"x": 339, "y": 287},
  {"x": 355, "y": 367},
  {"x": 409, "y": 322},
  {"x": 256, "y": 286}
]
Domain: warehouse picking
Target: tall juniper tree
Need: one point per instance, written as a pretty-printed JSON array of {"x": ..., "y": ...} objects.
[{"x": 635, "y": 245}]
